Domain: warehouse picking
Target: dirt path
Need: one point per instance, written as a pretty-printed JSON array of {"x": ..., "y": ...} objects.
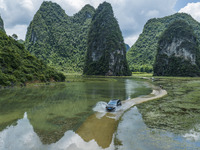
[{"x": 156, "y": 93}]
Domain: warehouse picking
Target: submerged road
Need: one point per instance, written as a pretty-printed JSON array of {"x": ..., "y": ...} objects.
[
  {"x": 156, "y": 94},
  {"x": 96, "y": 133},
  {"x": 102, "y": 125}
]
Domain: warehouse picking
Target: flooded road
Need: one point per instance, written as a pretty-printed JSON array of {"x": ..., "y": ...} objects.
[
  {"x": 72, "y": 116},
  {"x": 55, "y": 113},
  {"x": 97, "y": 132},
  {"x": 102, "y": 125}
]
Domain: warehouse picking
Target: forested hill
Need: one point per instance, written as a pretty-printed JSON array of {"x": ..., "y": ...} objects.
[
  {"x": 17, "y": 65},
  {"x": 58, "y": 39},
  {"x": 178, "y": 53},
  {"x": 1, "y": 24},
  {"x": 142, "y": 54},
  {"x": 106, "y": 53}
]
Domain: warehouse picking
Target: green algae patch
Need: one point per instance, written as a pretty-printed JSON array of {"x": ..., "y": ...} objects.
[{"x": 179, "y": 111}]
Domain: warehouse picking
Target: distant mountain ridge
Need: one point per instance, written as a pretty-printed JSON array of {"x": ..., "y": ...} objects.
[
  {"x": 127, "y": 47},
  {"x": 141, "y": 55},
  {"x": 58, "y": 39}
]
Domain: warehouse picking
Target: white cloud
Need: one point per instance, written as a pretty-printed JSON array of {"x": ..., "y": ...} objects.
[
  {"x": 2, "y": 5},
  {"x": 131, "y": 39},
  {"x": 152, "y": 13},
  {"x": 193, "y": 9},
  {"x": 18, "y": 29},
  {"x": 70, "y": 6},
  {"x": 131, "y": 14},
  {"x": 27, "y": 4},
  {"x": 17, "y": 12}
]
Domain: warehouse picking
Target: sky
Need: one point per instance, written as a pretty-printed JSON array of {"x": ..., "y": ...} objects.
[{"x": 131, "y": 14}]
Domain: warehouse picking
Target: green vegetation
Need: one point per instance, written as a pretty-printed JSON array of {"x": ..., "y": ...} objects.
[
  {"x": 58, "y": 39},
  {"x": 142, "y": 54},
  {"x": 179, "y": 111},
  {"x": 17, "y": 65},
  {"x": 1, "y": 25},
  {"x": 141, "y": 74},
  {"x": 106, "y": 53},
  {"x": 184, "y": 58}
]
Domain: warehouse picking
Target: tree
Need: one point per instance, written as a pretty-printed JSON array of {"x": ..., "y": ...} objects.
[{"x": 14, "y": 36}]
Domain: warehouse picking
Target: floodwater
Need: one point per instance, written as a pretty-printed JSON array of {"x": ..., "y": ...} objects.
[
  {"x": 72, "y": 116},
  {"x": 135, "y": 134},
  {"x": 62, "y": 116}
]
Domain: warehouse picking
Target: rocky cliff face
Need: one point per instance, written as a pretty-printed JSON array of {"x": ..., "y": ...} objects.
[
  {"x": 106, "y": 54},
  {"x": 1, "y": 25},
  {"x": 175, "y": 49},
  {"x": 178, "y": 52},
  {"x": 58, "y": 39},
  {"x": 143, "y": 53}
]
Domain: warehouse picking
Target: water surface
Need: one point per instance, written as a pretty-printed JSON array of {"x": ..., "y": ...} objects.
[
  {"x": 133, "y": 133},
  {"x": 59, "y": 109},
  {"x": 72, "y": 116}
]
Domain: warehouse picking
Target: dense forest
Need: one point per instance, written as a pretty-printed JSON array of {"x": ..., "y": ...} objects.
[
  {"x": 58, "y": 39},
  {"x": 18, "y": 66},
  {"x": 142, "y": 54},
  {"x": 106, "y": 53},
  {"x": 178, "y": 53},
  {"x": 90, "y": 42}
]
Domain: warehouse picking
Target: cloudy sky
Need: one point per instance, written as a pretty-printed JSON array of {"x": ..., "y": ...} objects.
[{"x": 131, "y": 14}]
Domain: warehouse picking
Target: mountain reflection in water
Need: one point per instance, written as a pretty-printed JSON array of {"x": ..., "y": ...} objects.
[
  {"x": 57, "y": 113},
  {"x": 132, "y": 132},
  {"x": 23, "y": 137}
]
